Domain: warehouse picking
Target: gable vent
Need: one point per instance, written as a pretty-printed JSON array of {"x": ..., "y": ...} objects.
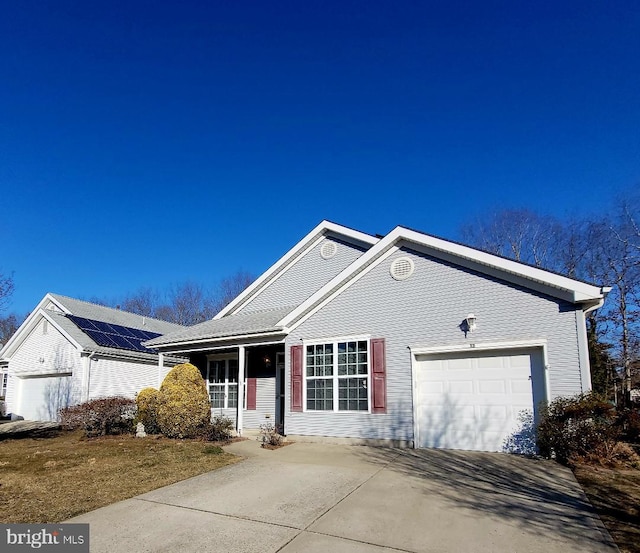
[
  {"x": 328, "y": 249},
  {"x": 401, "y": 268}
]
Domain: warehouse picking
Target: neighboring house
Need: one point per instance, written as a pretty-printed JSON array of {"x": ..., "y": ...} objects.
[
  {"x": 407, "y": 339},
  {"x": 69, "y": 351}
]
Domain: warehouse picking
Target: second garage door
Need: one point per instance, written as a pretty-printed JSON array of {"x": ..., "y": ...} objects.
[
  {"x": 473, "y": 401},
  {"x": 41, "y": 398}
]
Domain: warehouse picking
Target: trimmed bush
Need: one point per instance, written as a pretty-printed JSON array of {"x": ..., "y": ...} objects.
[
  {"x": 183, "y": 403},
  {"x": 100, "y": 417},
  {"x": 581, "y": 428},
  {"x": 147, "y": 402}
]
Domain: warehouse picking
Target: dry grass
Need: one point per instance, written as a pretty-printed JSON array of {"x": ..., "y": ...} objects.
[
  {"x": 52, "y": 479},
  {"x": 615, "y": 494}
]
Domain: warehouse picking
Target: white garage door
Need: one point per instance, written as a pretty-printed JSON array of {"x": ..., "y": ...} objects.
[
  {"x": 41, "y": 398},
  {"x": 473, "y": 402}
]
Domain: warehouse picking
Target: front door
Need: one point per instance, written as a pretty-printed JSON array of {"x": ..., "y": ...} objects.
[{"x": 280, "y": 387}]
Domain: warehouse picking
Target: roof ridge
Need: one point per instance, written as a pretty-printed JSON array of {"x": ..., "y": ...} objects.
[{"x": 62, "y": 297}]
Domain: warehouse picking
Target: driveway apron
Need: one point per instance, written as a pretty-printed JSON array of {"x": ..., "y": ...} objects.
[{"x": 311, "y": 497}]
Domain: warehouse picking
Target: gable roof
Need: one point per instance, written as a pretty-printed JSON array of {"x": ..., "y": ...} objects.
[
  {"x": 564, "y": 288},
  {"x": 228, "y": 325},
  {"x": 55, "y": 308},
  {"x": 322, "y": 230}
]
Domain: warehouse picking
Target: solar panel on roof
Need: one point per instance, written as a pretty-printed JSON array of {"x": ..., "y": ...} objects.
[{"x": 114, "y": 336}]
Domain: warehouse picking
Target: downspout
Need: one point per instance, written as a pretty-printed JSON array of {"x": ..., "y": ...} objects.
[{"x": 87, "y": 376}]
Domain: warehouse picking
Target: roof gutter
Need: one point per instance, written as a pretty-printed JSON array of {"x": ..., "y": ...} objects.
[{"x": 219, "y": 339}]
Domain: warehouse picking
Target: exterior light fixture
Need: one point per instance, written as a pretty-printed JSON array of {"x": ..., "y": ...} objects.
[
  {"x": 267, "y": 362},
  {"x": 471, "y": 322}
]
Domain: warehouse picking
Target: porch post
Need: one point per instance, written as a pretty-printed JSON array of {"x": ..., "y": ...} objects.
[
  {"x": 241, "y": 369},
  {"x": 160, "y": 368}
]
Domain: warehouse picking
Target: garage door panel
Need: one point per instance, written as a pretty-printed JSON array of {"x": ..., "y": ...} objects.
[
  {"x": 472, "y": 401},
  {"x": 461, "y": 387},
  {"x": 491, "y": 387}
]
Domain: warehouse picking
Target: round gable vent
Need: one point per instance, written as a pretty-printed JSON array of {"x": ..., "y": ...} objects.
[
  {"x": 328, "y": 249},
  {"x": 402, "y": 268}
]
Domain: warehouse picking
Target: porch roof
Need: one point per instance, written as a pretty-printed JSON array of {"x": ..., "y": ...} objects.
[{"x": 231, "y": 326}]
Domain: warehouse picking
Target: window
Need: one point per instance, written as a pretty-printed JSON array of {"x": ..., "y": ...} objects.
[
  {"x": 343, "y": 367},
  {"x": 3, "y": 384},
  {"x": 222, "y": 382}
]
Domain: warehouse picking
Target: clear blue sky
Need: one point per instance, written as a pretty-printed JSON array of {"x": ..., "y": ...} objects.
[{"x": 146, "y": 143}]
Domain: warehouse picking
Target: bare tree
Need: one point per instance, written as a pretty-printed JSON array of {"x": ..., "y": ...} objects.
[
  {"x": 230, "y": 287},
  {"x": 8, "y": 326},
  {"x": 143, "y": 302},
  {"x": 6, "y": 290},
  {"x": 520, "y": 234}
]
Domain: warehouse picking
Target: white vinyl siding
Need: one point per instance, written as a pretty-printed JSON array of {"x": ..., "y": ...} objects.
[
  {"x": 309, "y": 273},
  {"x": 114, "y": 377},
  {"x": 426, "y": 310}
]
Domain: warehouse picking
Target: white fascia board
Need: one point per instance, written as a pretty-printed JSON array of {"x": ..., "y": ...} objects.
[
  {"x": 340, "y": 281},
  {"x": 581, "y": 291},
  {"x": 25, "y": 328},
  {"x": 28, "y": 326},
  {"x": 289, "y": 258},
  {"x": 61, "y": 330},
  {"x": 226, "y": 338}
]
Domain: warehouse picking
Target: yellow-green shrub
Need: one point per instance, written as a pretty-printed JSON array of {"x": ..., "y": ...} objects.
[
  {"x": 183, "y": 402},
  {"x": 147, "y": 402}
]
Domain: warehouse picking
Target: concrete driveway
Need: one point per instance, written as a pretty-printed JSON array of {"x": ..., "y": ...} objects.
[{"x": 319, "y": 498}]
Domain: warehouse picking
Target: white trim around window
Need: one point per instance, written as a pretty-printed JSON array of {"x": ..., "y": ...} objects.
[
  {"x": 222, "y": 381},
  {"x": 337, "y": 375}
]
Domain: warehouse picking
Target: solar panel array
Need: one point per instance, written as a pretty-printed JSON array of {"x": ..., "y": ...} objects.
[{"x": 114, "y": 336}]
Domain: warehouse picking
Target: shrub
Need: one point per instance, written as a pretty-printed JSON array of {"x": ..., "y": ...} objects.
[
  {"x": 629, "y": 421},
  {"x": 100, "y": 417},
  {"x": 147, "y": 402},
  {"x": 220, "y": 429},
  {"x": 270, "y": 435},
  {"x": 580, "y": 428},
  {"x": 183, "y": 403}
]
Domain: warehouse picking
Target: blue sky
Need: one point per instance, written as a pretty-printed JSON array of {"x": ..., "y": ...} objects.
[{"x": 147, "y": 143}]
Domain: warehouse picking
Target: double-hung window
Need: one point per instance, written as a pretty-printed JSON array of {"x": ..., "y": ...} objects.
[
  {"x": 337, "y": 376},
  {"x": 222, "y": 382},
  {"x": 4, "y": 377}
]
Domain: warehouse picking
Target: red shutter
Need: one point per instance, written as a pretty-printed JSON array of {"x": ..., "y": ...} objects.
[
  {"x": 252, "y": 387},
  {"x": 296, "y": 378},
  {"x": 378, "y": 376}
]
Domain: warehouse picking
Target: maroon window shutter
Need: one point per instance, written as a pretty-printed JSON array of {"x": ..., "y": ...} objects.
[
  {"x": 378, "y": 376},
  {"x": 252, "y": 388},
  {"x": 296, "y": 378}
]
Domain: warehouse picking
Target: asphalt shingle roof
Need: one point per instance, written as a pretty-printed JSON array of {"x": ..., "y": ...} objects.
[{"x": 229, "y": 326}]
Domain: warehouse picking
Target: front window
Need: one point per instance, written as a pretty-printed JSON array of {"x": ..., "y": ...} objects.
[
  {"x": 337, "y": 376},
  {"x": 222, "y": 382},
  {"x": 3, "y": 384}
]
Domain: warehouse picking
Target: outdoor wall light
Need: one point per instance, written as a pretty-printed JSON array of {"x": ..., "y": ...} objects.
[
  {"x": 471, "y": 322},
  {"x": 267, "y": 362}
]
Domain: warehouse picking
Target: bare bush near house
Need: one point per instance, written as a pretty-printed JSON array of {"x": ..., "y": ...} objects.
[
  {"x": 583, "y": 429},
  {"x": 100, "y": 417}
]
